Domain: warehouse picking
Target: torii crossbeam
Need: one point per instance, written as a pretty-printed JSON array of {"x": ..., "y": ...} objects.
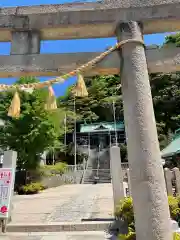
[{"x": 90, "y": 20}]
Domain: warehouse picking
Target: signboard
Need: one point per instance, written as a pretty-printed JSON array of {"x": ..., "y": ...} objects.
[{"x": 6, "y": 190}]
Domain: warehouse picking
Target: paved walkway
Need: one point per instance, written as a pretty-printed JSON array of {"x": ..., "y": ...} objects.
[{"x": 68, "y": 203}]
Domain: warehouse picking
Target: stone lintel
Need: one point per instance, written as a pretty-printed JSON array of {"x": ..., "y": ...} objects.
[
  {"x": 159, "y": 60},
  {"x": 90, "y": 20}
]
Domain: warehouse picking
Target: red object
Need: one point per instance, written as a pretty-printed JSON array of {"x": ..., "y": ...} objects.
[{"x": 3, "y": 209}]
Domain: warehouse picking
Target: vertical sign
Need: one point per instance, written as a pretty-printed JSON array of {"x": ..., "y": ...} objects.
[{"x": 6, "y": 187}]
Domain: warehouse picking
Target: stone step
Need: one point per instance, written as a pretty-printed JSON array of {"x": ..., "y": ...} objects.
[
  {"x": 102, "y": 179},
  {"x": 90, "y": 181},
  {"x": 59, "y": 226},
  {"x": 98, "y": 235},
  {"x": 100, "y": 182},
  {"x": 99, "y": 176},
  {"x": 107, "y": 180}
]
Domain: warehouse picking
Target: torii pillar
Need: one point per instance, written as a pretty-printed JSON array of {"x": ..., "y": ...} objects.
[{"x": 152, "y": 218}]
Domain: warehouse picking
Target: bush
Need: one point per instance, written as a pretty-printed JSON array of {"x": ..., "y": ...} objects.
[
  {"x": 50, "y": 170},
  {"x": 176, "y": 236},
  {"x": 174, "y": 207},
  {"x": 130, "y": 236},
  {"x": 173, "y": 203},
  {"x": 124, "y": 211},
  {"x": 31, "y": 188}
]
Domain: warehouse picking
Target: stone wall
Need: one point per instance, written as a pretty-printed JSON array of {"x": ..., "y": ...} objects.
[{"x": 58, "y": 180}]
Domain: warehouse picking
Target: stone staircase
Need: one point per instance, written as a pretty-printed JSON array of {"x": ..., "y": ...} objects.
[{"x": 98, "y": 167}]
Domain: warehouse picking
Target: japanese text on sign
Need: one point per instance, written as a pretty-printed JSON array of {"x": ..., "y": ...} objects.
[{"x": 6, "y": 185}]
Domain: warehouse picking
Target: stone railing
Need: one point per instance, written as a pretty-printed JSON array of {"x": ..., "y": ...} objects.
[
  {"x": 71, "y": 176},
  {"x": 125, "y": 165},
  {"x": 172, "y": 180},
  {"x": 71, "y": 168}
]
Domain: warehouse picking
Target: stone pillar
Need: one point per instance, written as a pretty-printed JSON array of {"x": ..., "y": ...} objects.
[
  {"x": 168, "y": 180},
  {"x": 9, "y": 160},
  {"x": 176, "y": 175},
  {"x": 25, "y": 42},
  {"x": 129, "y": 183},
  {"x": 152, "y": 218},
  {"x": 116, "y": 174}
]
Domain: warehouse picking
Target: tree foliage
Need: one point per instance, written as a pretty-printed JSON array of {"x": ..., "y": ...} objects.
[
  {"x": 102, "y": 90},
  {"x": 35, "y": 131},
  {"x": 166, "y": 98}
]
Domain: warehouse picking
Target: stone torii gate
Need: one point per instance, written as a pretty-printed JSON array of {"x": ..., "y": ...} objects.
[{"x": 26, "y": 26}]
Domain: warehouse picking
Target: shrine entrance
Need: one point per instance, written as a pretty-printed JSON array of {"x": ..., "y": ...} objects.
[{"x": 128, "y": 21}]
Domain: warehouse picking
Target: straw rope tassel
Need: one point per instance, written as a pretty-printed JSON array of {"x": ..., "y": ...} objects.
[
  {"x": 80, "y": 89},
  {"x": 51, "y": 100},
  {"x": 14, "y": 109}
]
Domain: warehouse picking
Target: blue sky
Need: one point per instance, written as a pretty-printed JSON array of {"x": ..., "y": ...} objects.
[{"x": 63, "y": 46}]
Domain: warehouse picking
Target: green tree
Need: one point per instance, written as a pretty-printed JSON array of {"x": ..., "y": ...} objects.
[
  {"x": 166, "y": 98},
  {"x": 102, "y": 90},
  {"x": 173, "y": 39},
  {"x": 35, "y": 131}
]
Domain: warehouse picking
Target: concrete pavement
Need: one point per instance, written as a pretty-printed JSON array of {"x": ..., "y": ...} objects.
[
  {"x": 68, "y": 203},
  {"x": 54, "y": 212}
]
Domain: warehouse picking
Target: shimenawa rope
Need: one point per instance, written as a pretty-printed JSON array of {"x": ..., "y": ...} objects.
[
  {"x": 78, "y": 91},
  {"x": 80, "y": 69}
]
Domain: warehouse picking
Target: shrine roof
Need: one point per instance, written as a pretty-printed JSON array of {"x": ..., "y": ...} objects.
[
  {"x": 101, "y": 127},
  {"x": 174, "y": 147}
]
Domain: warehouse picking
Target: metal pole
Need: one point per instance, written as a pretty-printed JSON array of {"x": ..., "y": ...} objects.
[
  {"x": 65, "y": 130},
  {"x": 75, "y": 147},
  {"x": 110, "y": 139},
  {"x": 97, "y": 172},
  {"x": 89, "y": 147},
  {"x": 53, "y": 157}
]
